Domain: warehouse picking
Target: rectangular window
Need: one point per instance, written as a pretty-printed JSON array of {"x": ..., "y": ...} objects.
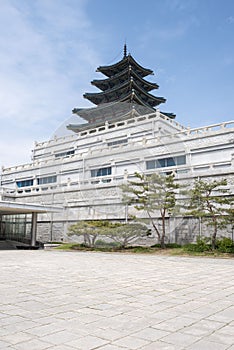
[
  {"x": 165, "y": 162},
  {"x": 101, "y": 172},
  {"x": 65, "y": 154},
  {"x": 161, "y": 163},
  {"x": 151, "y": 164},
  {"x": 24, "y": 183},
  {"x": 47, "y": 180},
  {"x": 117, "y": 142},
  {"x": 170, "y": 161},
  {"x": 181, "y": 160}
]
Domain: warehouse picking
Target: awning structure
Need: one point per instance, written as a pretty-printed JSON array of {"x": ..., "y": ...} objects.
[
  {"x": 14, "y": 208},
  {"x": 26, "y": 208}
]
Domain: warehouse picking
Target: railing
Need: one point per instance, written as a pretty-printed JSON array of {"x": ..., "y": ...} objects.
[
  {"x": 182, "y": 131},
  {"x": 181, "y": 172},
  {"x": 110, "y": 125},
  {"x": 7, "y": 192},
  {"x": 210, "y": 128}
]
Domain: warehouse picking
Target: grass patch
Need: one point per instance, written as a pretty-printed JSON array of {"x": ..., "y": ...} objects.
[
  {"x": 171, "y": 250},
  {"x": 67, "y": 246}
]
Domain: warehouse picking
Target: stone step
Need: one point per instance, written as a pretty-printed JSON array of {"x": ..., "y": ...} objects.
[{"x": 6, "y": 245}]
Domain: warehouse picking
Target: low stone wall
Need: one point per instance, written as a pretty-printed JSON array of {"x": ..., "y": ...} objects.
[{"x": 179, "y": 230}]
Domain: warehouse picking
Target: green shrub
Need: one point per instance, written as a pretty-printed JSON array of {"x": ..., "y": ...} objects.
[
  {"x": 168, "y": 245},
  {"x": 225, "y": 245},
  {"x": 157, "y": 245},
  {"x": 101, "y": 243},
  {"x": 82, "y": 245},
  {"x": 140, "y": 249},
  {"x": 203, "y": 245},
  {"x": 173, "y": 245},
  {"x": 68, "y": 246}
]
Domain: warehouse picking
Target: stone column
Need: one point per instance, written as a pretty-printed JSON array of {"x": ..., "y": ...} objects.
[{"x": 34, "y": 229}]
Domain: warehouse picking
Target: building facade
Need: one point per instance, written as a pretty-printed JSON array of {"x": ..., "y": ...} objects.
[{"x": 126, "y": 132}]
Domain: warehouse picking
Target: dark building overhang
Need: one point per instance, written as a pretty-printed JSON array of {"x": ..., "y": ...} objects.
[
  {"x": 120, "y": 78},
  {"x": 124, "y": 92},
  {"x": 127, "y": 61}
]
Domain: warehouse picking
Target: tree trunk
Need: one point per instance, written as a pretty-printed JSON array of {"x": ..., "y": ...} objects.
[
  {"x": 87, "y": 241},
  {"x": 163, "y": 246},
  {"x": 155, "y": 227},
  {"x": 213, "y": 241},
  {"x": 162, "y": 242},
  {"x": 93, "y": 240}
]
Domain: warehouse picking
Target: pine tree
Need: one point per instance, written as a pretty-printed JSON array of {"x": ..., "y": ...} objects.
[
  {"x": 212, "y": 202},
  {"x": 156, "y": 195}
]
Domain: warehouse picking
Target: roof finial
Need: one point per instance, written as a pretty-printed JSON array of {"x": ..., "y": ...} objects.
[{"x": 125, "y": 50}]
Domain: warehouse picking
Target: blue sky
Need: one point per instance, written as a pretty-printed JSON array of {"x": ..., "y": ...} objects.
[{"x": 50, "y": 49}]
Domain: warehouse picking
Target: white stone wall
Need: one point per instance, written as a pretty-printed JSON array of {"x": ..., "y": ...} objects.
[{"x": 209, "y": 152}]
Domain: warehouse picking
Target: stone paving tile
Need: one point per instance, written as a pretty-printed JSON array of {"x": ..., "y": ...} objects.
[
  {"x": 46, "y": 320},
  {"x": 87, "y": 343},
  {"x": 131, "y": 342},
  {"x": 180, "y": 339},
  {"x": 222, "y": 338},
  {"x": 44, "y": 330},
  {"x": 231, "y": 348},
  {"x": 206, "y": 345},
  {"x": 4, "y": 332},
  {"x": 158, "y": 345},
  {"x": 150, "y": 334},
  {"x": 61, "y": 347},
  {"x": 20, "y": 326},
  {"x": 10, "y": 320},
  {"x": 174, "y": 324},
  {"x": 60, "y": 337},
  {"x": 114, "y": 301},
  {"x": 110, "y": 334},
  {"x": 16, "y": 338},
  {"x": 75, "y": 326},
  {"x": 111, "y": 347},
  {"x": 223, "y": 316},
  {"x": 33, "y": 344},
  {"x": 4, "y": 344},
  {"x": 203, "y": 328}
]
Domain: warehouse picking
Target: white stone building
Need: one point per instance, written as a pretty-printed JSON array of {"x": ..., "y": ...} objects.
[{"x": 82, "y": 172}]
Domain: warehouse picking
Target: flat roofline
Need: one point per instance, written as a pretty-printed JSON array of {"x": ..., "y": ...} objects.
[{"x": 26, "y": 208}]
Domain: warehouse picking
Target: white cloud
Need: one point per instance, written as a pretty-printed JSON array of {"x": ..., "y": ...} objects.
[{"x": 45, "y": 47}]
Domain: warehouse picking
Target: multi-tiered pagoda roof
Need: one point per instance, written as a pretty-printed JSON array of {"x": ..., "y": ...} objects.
[
  {"x": 124, "y": 89},
  {"x": 125, "y": 82}
]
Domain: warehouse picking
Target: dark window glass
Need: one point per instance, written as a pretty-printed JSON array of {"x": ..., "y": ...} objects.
[
  {"x": 150, "y": 164},
  {"x": 46, "y": 180},
  {"x": 170, "y": 161},
  {"x": 118, "y": 142},
  {"x": 64, "y": 154},
  {"x": 101, "y": 172},
  {"x": 180, "y": 160},
  {"x": 165, "y": 162},
  {"x": 24, "y": 183},
  {"x": 161, "y": 163}
]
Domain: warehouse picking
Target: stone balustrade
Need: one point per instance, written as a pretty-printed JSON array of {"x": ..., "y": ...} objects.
[
  {"x": 181, "y": 131},
  {"x": 181, "y": 172}
]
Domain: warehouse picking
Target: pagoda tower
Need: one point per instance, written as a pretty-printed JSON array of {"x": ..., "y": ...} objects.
[
  {"x": 125, "y": 83},
  {"x": 123, "y": 90}
]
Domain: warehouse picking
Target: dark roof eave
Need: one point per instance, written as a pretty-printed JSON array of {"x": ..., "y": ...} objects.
[
  {"x": 137, "y": 98},
  {"x": 128, "y": 59},
  {"x": 98, "y": 96},
  {"x": 132, "y": 73}
]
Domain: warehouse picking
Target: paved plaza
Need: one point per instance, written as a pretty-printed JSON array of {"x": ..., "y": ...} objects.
[{"x": 81, "y": 300}]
